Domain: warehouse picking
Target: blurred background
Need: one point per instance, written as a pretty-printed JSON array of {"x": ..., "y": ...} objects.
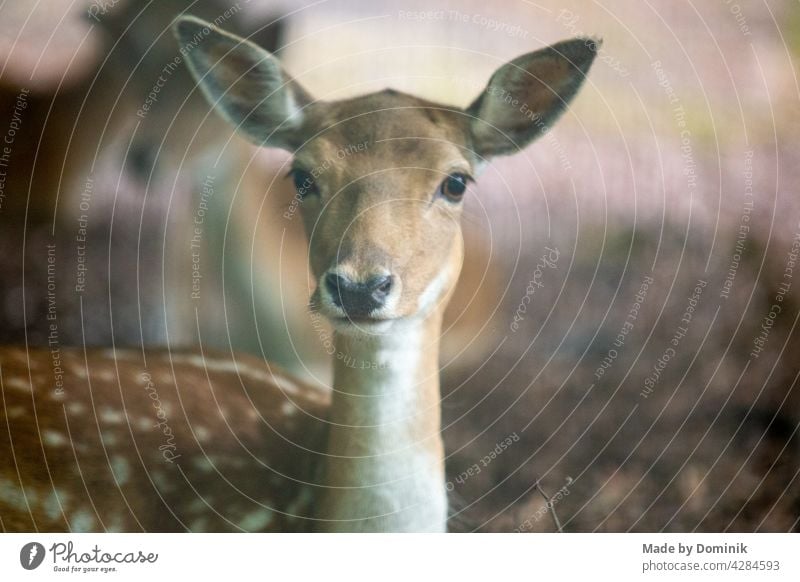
[{"x": 626, "y": 319}]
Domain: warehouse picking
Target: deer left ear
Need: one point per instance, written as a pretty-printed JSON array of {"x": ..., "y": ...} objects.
[
  {"x": 527, "y": 95},
  {"x": 244, "y": 83}
]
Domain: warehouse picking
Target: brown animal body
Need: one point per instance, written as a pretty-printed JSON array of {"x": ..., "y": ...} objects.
[{"x": 132, "y": 440}]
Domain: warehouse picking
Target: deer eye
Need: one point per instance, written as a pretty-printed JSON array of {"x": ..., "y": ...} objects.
[
  {"x": 304, "y": 183},
  {"x": 454, "y": 186}
]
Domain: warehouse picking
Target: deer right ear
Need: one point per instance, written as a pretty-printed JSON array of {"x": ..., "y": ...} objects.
[
  {"x": 244, "y": 83},
  {"x": 524, "y": 97}
]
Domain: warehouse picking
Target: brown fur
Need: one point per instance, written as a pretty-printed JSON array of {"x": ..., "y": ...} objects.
[{"x": 90, "y": 458}]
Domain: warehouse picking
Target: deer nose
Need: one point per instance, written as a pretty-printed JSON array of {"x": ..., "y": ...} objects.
[{"x": 359, "y": 299}]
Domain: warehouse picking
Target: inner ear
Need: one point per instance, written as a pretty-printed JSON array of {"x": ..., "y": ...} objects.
[
  {"x": 244, "y": 83},
  {"x": 526, "y": 96}
]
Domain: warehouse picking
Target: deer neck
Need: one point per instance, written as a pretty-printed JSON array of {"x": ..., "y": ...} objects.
[{"x": 385, "y": 464}]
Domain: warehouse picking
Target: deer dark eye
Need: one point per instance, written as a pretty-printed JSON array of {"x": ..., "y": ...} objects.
[
  {"x": 304, "y": 183},
  {"x": 454, "y": 186}
]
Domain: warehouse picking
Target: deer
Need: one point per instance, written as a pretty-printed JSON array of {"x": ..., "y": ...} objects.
[
  {"x": 153, "y": 163},
  {"x": 114, "y": 439}
]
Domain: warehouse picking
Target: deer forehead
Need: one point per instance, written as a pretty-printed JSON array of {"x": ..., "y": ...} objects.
[{"x": 396, "y": 136}]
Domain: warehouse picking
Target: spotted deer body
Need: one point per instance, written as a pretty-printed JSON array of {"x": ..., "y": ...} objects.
[
  {"x": 128, "y": 440},
  {"x": 380, "y": 180}
]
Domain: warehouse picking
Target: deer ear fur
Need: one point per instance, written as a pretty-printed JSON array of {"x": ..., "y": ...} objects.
[
  {"x": 244, "y": 83},
  {"x": 527, "y": 95}
]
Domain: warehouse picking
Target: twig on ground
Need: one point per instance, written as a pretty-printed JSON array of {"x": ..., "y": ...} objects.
[{"x": 549, "y": 504}]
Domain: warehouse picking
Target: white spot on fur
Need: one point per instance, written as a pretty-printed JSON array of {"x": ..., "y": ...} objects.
[
  {"x": 198, "y": 505},
  {"x": 18, "y": 384},
  {"x": 256, "y": 520},
  {"x": 11, "y": 494},
  {"x": 288, "y": 409},
  {"x": 81, "y": 521},
  {"x": 109, "y": 439},
  {"x": 106, "y": 375},
  {"x": 121, "y": 469},
  {"x": 111, "y": 416},
  {"x": 118, "y": 355},
  {"x": 52, "y": 506},
  {"x": 222, "y": 365},
  {"x": 202, "y": 433},
  {"x": 246, "y": 371},
  {"x": 53, "y": 438},
  {"x": 286, "y": 385},
  {"x": 301, "y": 500},
  {"x": 204, "y": 464},
  {"x": 76, "y": 408},
  {"x": 15, "y": 411},
  {"x": 319, "y": 394}
]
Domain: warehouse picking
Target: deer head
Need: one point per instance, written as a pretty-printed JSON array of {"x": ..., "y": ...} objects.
[{"x": 380, "y": 178}]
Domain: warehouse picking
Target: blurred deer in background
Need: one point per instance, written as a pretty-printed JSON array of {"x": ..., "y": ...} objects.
[
  {"x": 108, "y": 150},
  {"x": 154, "y": 440}
]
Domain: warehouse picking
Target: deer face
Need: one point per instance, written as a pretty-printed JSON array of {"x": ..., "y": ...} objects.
[
  {"x": 381, "y": 178},
  {"x": 382, "y": 185}
]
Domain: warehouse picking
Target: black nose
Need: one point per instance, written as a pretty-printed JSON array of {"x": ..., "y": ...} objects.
[{"x": 359, "y": 299}]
